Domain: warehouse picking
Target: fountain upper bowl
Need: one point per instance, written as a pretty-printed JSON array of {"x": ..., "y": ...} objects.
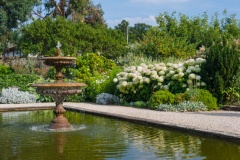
[{"x": 59, "y": 61}]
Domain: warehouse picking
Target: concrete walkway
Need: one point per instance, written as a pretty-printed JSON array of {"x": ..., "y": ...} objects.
[{"x": 224, "y": 124}]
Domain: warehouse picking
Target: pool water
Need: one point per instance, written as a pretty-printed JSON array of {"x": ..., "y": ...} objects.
[{"x": 24, "y": 136}]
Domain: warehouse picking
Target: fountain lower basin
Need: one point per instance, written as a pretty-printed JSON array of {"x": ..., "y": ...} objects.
[{"x": 59, "y": 91}]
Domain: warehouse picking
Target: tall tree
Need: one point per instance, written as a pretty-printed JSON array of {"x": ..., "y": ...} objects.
[
  {"x": 137, "y": 32},
  {"x": 12, "y": 14},
  {"x": 123, "y": 27},
  {"x": 41, "y": 36},
  {"x": 76, "y": 10}
]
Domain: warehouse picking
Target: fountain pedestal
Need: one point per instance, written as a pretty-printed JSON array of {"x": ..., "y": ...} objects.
[{"x": 59, "y": 90}]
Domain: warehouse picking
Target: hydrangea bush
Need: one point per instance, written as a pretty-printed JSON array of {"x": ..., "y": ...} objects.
[
  {"x": 14, "y": 96},
  {"x": 139, "y": 82},
  {"x": 105, "y": 98}
]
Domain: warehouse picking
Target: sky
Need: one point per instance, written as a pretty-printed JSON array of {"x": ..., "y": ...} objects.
[{"x": 145, "y": 11}]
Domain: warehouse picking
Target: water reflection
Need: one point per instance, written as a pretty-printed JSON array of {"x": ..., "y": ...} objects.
[{"x": 102, "y": 138}]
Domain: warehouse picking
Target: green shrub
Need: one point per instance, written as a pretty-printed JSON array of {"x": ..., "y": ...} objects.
[
  {"x": 183, "y": 107},
  {"x": 98, "y": 73},
  {"x": 157, "y": 43},
  {"x": 201, "y": 95},
  {"x": 140, "y": 104},
  {"x": 222, "y": 65},
  {"x": 4, "y": 69},
  {"x": 101, "y": 84},
  {"x": 179, "y": 97},
  {"x": 22, "y": 81},
  {"x": 161, "y": 97}
]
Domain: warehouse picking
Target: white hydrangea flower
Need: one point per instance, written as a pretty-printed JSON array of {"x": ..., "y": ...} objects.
[
  {"x": 162, "y": 64},
  {"x": 180, "y": 64},
  {"x": 188, "y": 71},
  {"x": 198, "y": 77},
  {"x": 184, "y": 85},
  {"x": 164, "y": 68},
  {"x": 169, "y": 64},
  {"x": 191, "y": 62},
  {"x": 181, "y": 74},
  {"x": 146, "y": 80},
  {"x": 172, "y": 72},
  {"x": 191, "y": 67},
  {"x": 161, "y": 72},
  {"x": 189, "y": 82},
  {"x": 165, "y": 87},
  {"x": 115, "y": 80},
  {"x": 124, "y": 83},
  {"x": 175, "y": 77},
  {"x": 200, "y": 60},
  {"x": 197, "y": 69},
  {"x": 192, "y": 76},
  {"x": 160, "y": 79},
  {"x": 153, "y": 72},
  {"x": 139, "y": 69},
  {"x": 175, "y": 66}
]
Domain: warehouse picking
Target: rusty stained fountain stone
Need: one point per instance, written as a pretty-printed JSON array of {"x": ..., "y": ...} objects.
[{"x": 59, "y": 89}]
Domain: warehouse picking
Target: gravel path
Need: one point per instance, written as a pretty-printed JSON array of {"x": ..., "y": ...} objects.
[{"x": 225, "y": 124}]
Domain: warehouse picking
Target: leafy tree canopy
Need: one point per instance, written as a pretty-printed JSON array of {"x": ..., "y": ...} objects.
[
  {"x": 199, "y": 29},
  {"x": 12, "y": 14},
  {"x": 41, "y": 37},
  {"x": 135, "y": 33},
  {"x": 76, "y": 10}
]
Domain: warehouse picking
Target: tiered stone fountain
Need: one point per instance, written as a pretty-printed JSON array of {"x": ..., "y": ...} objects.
[{"x": 59, "y": 89}]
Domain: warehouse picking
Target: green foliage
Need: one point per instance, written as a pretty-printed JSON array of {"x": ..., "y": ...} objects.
[
  {"x": 180, "y": 36},
  {"x": 22, "y": 81},
  {"x": 135, "y": 59},
  {"x": 161, "y": 97},
  {"x": 98, "y": 73},
  {"x": 234, "y": 91},
  {"x": 5, "y": 69},
  {"x": 138, "y": 31},
  {"x": 179, "y": 97},
  {"x": 12, "y": 14},
  {"x": 157, "y": 43},
  {"x": 140, "y": 104},
  {"x": 199, "y": 30},
  {"x": 51, "y": 73},
  {"x": 101, "y": 84},
  {"x": 82, "y": 11},
  {"x": 232, "y": 95},
  {"x": 201, "y": 95},
  {"x": 132, "y": 34},
  {"x": 183, "y": 107},
  {"x": 123, "y": 26},
  {"x": 221, "y": 67},
  {"x": 76, "y": 38}
]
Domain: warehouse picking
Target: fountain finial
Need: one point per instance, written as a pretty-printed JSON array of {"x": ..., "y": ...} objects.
[{"x": 58, "y": 48}]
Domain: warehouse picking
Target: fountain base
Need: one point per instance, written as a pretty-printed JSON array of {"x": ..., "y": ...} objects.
[{"x": 60, "y": 123}]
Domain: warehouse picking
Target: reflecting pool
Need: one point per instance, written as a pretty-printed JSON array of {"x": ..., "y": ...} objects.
[{"x": 24, "y": 136}]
